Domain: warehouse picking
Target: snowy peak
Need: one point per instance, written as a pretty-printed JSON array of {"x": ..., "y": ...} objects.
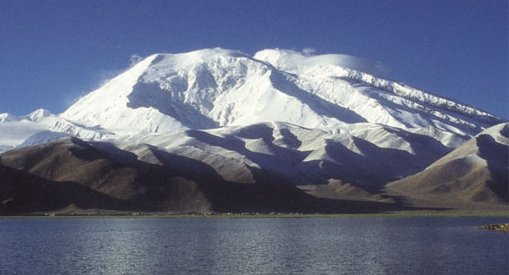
[
  {"x": 39, "y": 114},
  {"x": 213, "y": 88},
  {"x": 34, "y": 116},
  {"x": 15, "y": 129}
]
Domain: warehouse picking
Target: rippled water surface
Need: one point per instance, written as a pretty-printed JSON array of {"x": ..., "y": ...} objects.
[{"x": 247, "y": 246}]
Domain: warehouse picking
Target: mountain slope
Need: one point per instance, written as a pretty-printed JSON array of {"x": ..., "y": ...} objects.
[
  {"x": 366, "y": 155},
  {"x": 375, "y": 99},
  {"x": 73, "y": 176},
  {"x": 476, "y": 172},
  {"x": 24, "y": 193},
  {"x": 72, "y": 173}
]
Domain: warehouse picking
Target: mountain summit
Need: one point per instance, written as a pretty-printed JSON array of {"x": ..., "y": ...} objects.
[{"x": 215, "y": 87}]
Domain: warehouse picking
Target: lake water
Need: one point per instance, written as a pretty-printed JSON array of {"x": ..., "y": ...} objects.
[{"x": 252, "y": 246}]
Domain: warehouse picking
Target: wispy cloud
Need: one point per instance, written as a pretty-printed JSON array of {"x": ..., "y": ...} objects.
[
  {"x": 134, "y": 59},
  {"x": 309, "y": 56},
  {"x": 99, "y": 79},
  {"x": 308, "y": 51}
]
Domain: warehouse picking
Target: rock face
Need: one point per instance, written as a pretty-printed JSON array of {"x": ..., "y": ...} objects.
[{"x": 475, "y": 173}]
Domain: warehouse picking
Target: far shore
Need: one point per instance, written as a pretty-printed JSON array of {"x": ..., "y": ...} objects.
[{"x": 389, "y": 214}]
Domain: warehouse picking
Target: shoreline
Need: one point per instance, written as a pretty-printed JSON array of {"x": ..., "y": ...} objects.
[{"x": 388, "y": 214}]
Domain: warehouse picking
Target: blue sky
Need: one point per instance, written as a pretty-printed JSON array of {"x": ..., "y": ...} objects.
[{"x": 52, "y": 52}]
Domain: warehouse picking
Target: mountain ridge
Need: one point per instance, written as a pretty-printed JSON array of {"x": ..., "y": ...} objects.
[{"x": 477, "y": 172}]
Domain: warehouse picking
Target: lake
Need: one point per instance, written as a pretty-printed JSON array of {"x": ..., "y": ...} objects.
[{"x": 246, "y": 246}]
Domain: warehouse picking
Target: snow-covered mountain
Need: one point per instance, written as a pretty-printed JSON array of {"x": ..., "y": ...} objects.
[
  {"x": 214, "y": 88},
  {"x": 39, "y": 127},
  {"x": 14, "y": 130},
  {"x": 277, "y": 119},
  {"x": 307, "y": 118}
]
